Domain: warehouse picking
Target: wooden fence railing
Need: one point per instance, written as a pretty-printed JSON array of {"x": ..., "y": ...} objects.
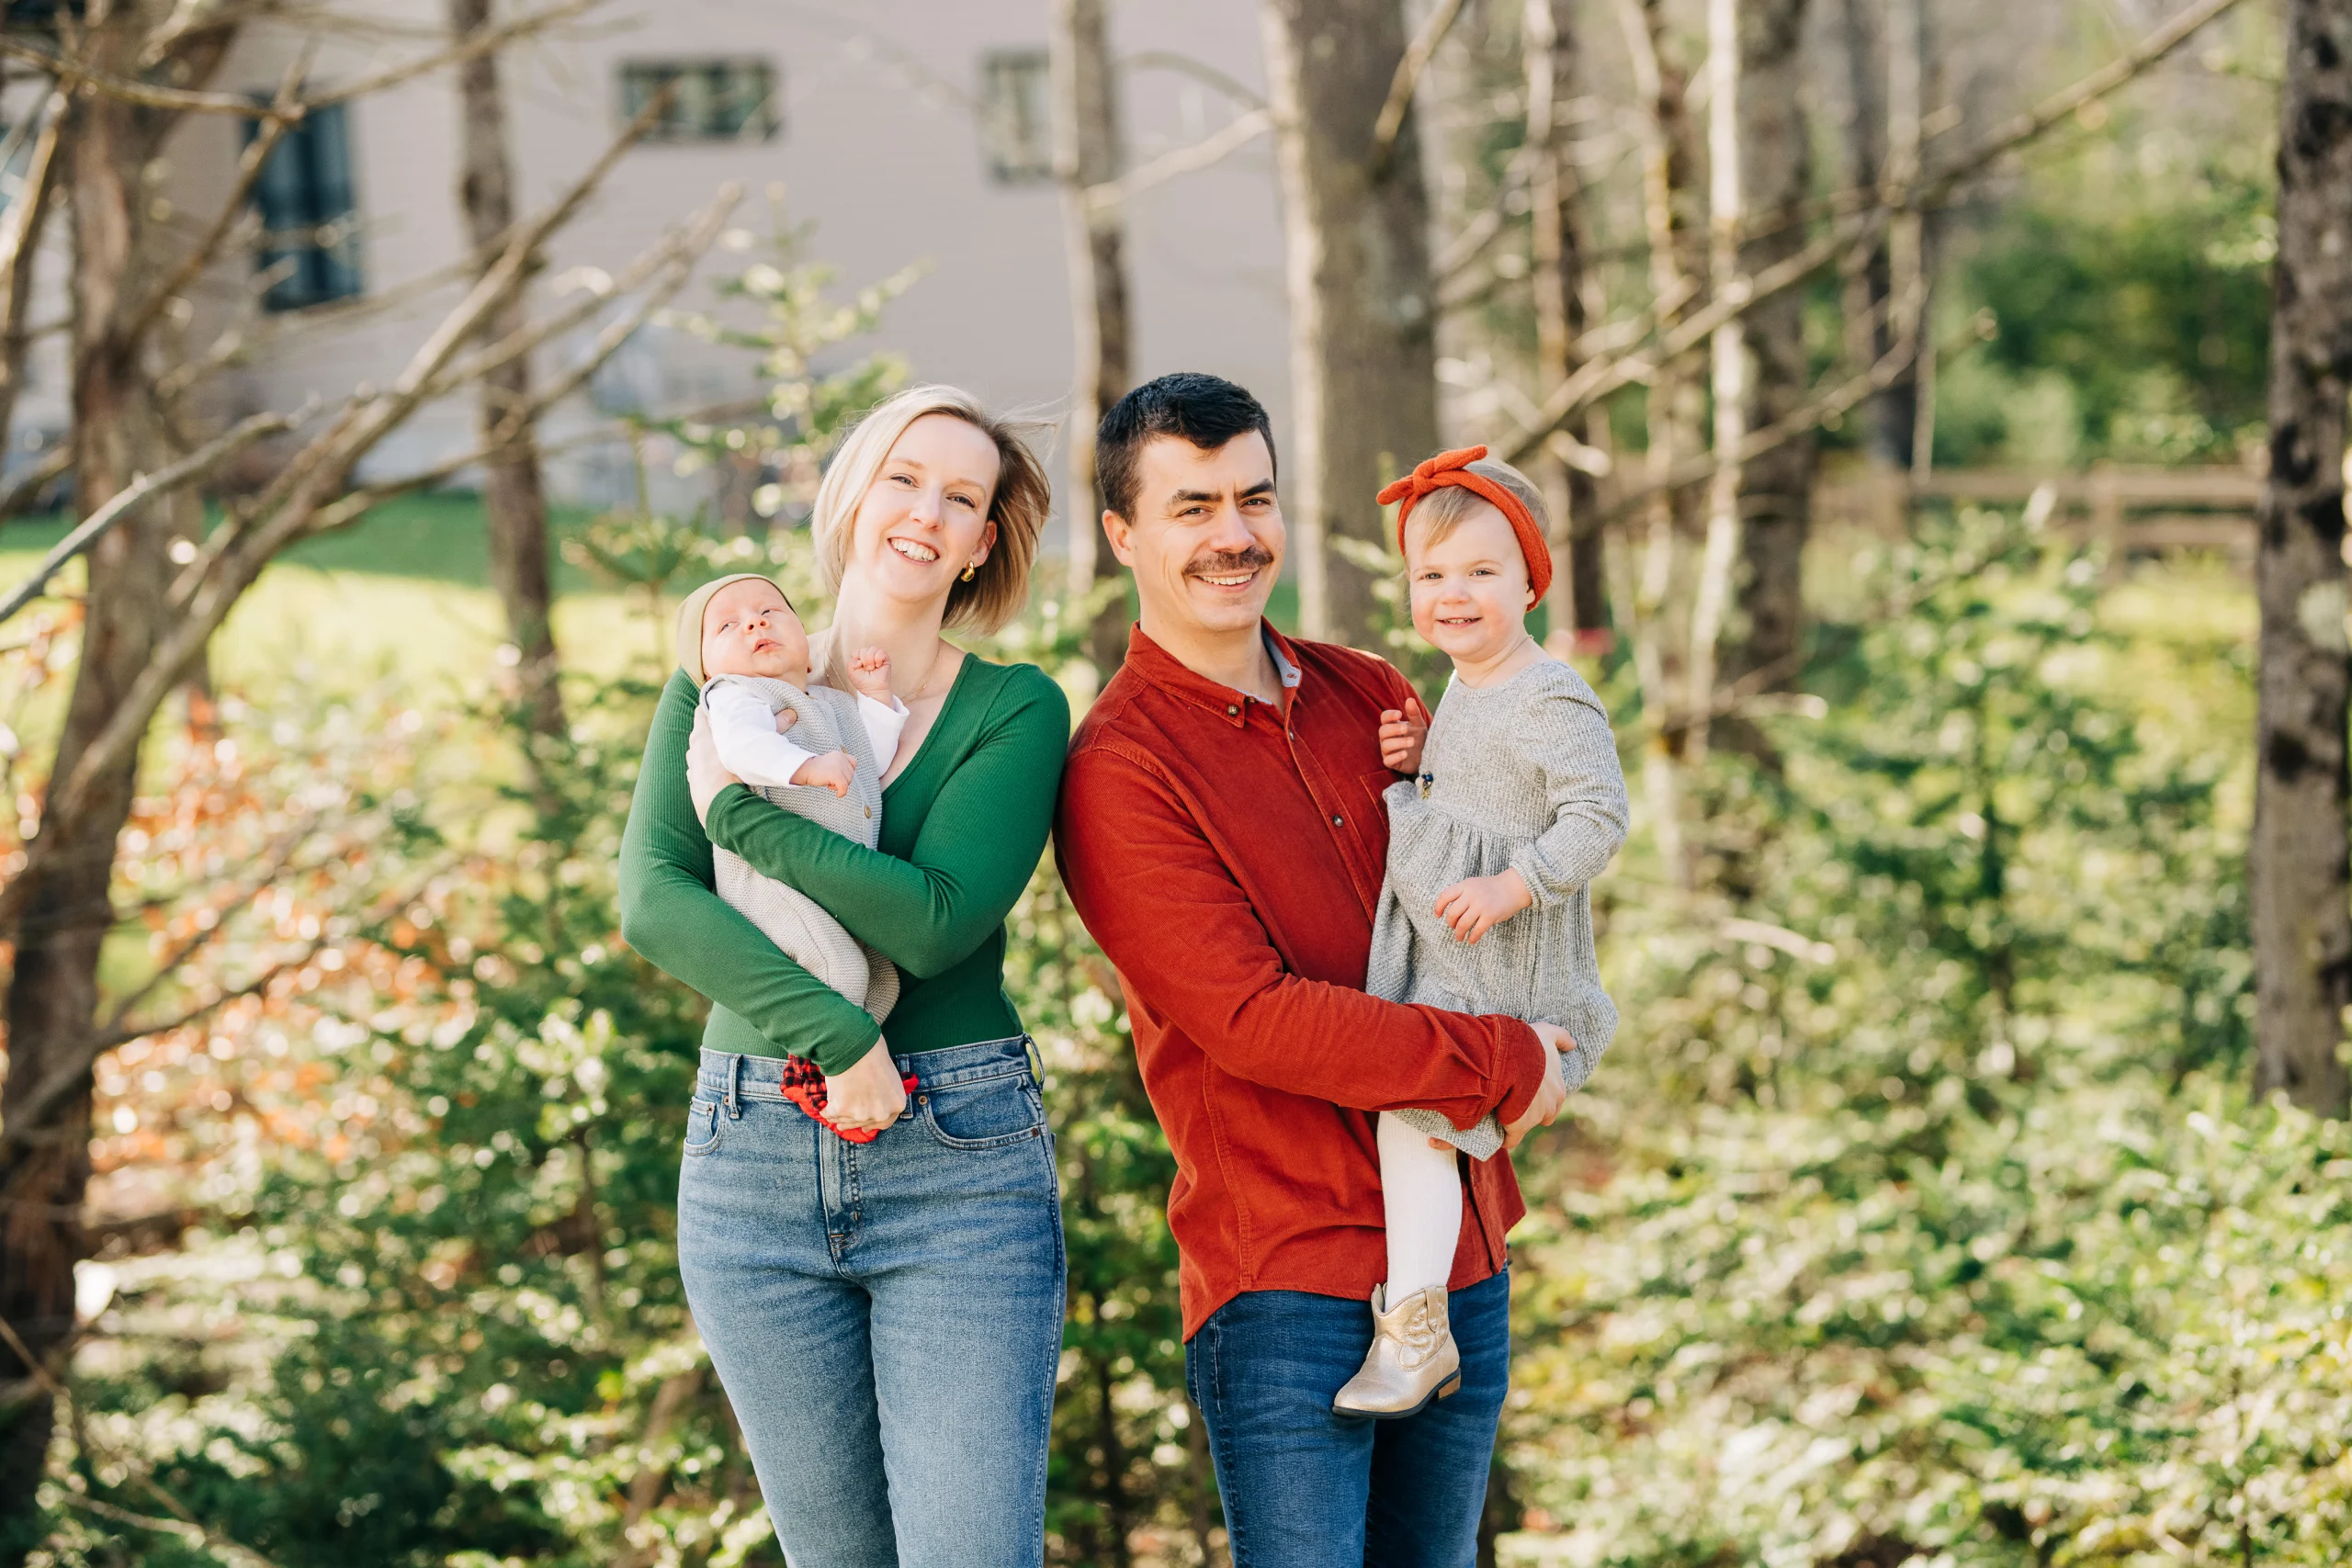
[{"x": 2135, "y": 509}]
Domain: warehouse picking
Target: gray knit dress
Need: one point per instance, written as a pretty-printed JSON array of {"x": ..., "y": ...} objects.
[
  {"x": 790, "y": 918},
  {"x": 1522, "y": 776}
]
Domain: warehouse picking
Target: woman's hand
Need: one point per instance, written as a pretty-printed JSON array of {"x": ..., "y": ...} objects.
[
  {"x": 1402, "y": 733},
  {"x": 705, "y": 774},
  {"x": 869, "y": 1096},
  {"x": 1478, "y": 905}
]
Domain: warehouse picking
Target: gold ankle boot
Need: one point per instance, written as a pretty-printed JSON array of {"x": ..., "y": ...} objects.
[{"x": 1412, "y": 1359}]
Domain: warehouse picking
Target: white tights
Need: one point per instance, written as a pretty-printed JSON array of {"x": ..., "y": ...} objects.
[{"x": 1421, "y": 1189}]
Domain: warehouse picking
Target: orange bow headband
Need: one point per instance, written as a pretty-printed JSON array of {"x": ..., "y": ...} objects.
[{"x": 1454, "y": 469}]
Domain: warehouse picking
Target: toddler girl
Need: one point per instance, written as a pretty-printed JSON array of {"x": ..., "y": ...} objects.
[{"x": 1518, "y": 805}]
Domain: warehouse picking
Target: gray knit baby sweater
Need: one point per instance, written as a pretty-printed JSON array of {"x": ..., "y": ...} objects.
[
  {"x": 797, "y": 923},
  {"x": 1521, "y": 776}
]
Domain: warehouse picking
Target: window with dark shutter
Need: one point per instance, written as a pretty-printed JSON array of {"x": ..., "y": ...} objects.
[
  {"x": 710, "y": 100},
  {"x": 1017, "y": 117},
  {"x": 310, "y": 219}
]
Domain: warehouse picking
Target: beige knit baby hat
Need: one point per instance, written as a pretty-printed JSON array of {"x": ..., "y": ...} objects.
[{"x": 690, "y": 619}]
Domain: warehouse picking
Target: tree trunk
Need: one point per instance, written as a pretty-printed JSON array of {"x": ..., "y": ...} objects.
[
  {"x": 2303, "y": 924},
  {"x": 1887, "y": 417},
  {"x": 1776, "y": 487},
  {"x": 1363, "y": 344},
  {"x": 1728, "y": 359},
  {"x": 1577, "y": 603},
  {"x": 20, "y": 235},
  {"x": 1086, "y": 154},
  {"x": 1901, "y": 406},
  {"x": 52, "y": 999},
  {"x": 514, "y": 494}
]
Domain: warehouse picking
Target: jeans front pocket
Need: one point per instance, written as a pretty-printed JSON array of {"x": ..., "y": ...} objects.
[
  {"x": 702, "y": 1127},
  {"x": 988, "y": 1114}
]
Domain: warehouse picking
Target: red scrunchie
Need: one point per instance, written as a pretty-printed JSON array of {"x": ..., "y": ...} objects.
[{"x": 1454, "y": 469}]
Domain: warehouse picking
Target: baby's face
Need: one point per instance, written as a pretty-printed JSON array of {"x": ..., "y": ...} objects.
[
  {"x": 748, "y": 629},
  {"x": 1469, "y": 589}
]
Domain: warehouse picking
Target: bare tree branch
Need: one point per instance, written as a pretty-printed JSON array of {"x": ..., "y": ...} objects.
[
  {"x": 1235, "y": 134},
  {"x": 321, "y": 470},
  {"x": 249, "y": 166},
  {"x": 152, "y": 94},
  {"x": 1600, "y": 377},
  {"x": 196, "y": 464},
  {"x": 1390, "y": 122},
  {"x": 1825, "y": 405},
  {"x": 475, "y": 44},
  {"x": 1200, "y": 70},
  {"x": 146, "y": 95},
  {"x": 33, "y": 481}
]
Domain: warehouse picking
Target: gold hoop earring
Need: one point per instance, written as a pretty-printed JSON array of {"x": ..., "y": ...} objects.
[{"x": 971, "y": 572}]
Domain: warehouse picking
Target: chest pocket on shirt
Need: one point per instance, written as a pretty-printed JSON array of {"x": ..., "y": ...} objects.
[{"x": 1376, "y": 785}]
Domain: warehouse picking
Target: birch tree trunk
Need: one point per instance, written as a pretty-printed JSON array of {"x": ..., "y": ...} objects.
[
  {"x": 66, "y": 911},
  {"x": 2303, "y": 924},
  {"x": 1363, "y": 344},
  {"x": 1776, "y": 487},
  {"x": 1577, "y": 603},
  {"x": 1087, "y": 154},
  {"x": 514, "y": 491},
  {"x": 1727, "y": 357}
]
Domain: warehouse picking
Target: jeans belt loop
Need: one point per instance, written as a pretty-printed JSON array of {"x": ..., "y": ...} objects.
[
  {"x": 735, "y": 1087},
  {"x": 1035, "y": 1058}
]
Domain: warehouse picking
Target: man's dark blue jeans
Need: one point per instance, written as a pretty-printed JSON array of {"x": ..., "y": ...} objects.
[{"x": 1305, "y": 1488}]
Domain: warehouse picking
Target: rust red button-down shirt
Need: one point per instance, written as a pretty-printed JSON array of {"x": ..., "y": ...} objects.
[{"x": 1227, "y": 855}]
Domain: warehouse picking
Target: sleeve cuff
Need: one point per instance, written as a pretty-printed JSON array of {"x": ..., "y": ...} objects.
[
  {"x": 1529, "y": 864},
  {"x": 838, "y": 1055},
  {"x": 1519, "y": 1065}
]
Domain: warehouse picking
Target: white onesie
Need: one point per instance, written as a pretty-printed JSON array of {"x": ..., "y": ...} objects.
[
  {"x": 743, "y": 710},
  {"x": 743, "y": 724}
]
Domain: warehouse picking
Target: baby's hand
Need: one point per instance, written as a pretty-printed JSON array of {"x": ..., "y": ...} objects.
[
  {"x": 869, "y": 672},
  {"x": 785, "y": 719},
  {"x": 832, "y": 771},
  {"x": 1402, "y": 735},
  {"x": 1478, "y": 905}
]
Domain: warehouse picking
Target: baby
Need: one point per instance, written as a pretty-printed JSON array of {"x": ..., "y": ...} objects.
[
  {"x": 740, "y": 641},
  {"x": 1518, "y": 805}
]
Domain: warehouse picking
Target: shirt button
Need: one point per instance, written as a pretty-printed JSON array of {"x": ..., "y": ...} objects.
[
  {"x": 1337, "y": 819},
  {"x": 1233, "y": 713}
]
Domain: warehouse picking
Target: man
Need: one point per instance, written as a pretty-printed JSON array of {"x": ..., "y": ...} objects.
[{"x": 1222, "y": 835}]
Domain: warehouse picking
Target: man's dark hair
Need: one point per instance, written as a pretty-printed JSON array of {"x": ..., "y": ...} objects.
[{"x": 1206, "y": 410}]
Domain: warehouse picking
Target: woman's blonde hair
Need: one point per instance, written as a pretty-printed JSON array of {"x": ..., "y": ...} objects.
[
  {"x": 1437, "y": 514},
  {"x": 1018, "y": 506}
]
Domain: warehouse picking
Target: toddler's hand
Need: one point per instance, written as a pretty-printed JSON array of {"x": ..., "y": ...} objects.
[
  {"x": 833, "y": 771},
  {"x": 869, "y": 672},
  {"x": 1478, "y": 905},
  {"x": 1402, "y": 735}
]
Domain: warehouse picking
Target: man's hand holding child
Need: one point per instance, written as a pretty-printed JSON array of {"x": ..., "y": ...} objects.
[{"x": 1402, "y": 734}]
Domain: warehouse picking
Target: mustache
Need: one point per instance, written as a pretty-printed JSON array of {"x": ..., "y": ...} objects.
[{"x": 1223, "y": 563}]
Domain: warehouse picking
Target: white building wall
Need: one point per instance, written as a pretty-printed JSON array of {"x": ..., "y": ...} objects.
[{"x": 879, "y": 148}]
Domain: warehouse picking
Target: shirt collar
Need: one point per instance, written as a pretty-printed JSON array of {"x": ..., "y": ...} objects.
[{"x": 1156, "y": 664}]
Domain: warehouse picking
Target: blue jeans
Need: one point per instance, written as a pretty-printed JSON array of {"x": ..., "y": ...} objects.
[
  {"x": 886, "y": 1317},
  {"x": 1305, "y": 1488}
]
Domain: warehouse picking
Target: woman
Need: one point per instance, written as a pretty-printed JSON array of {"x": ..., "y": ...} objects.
[{"x": 887, "y": 1316}]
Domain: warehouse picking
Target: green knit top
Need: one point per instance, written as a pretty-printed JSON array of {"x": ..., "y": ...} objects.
[{"x": 962, "y": 829}]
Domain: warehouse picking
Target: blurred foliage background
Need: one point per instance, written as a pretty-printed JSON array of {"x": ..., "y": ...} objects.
[{"x": 1919, "y": 1217}]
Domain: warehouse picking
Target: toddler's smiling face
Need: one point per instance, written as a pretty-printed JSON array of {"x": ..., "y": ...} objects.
[
  {"x": 1470, "y": 592},
  {"x": 748, "y": 628}
]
